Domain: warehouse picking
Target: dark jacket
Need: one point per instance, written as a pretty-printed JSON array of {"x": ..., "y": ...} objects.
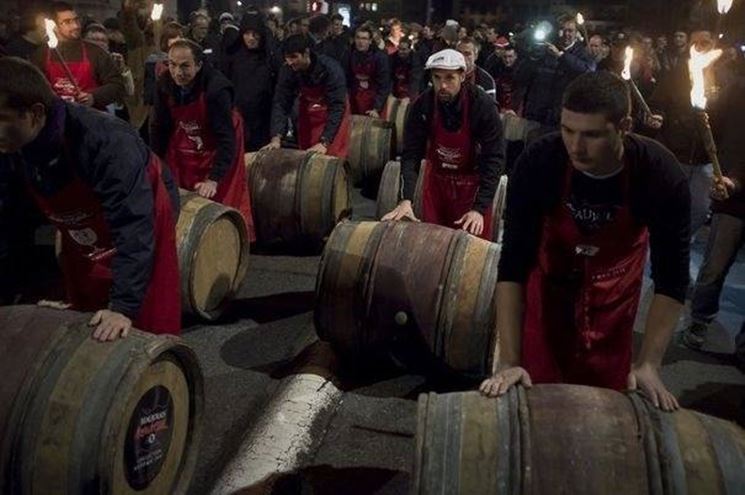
[
  {"x": 485, "y": 81},
  {"x": 108, "y": 155},
  {"x": 254, "y": 76},
  {"x": 336, "y": 47},
  {"x": 546, "y": 78},
  {"x": 110, "y": 84},
  {"x": 659, "y": 199},
  {"x": 323, "y": 71},
  {"x": 415, "y": 70},
  {"x": 219, "y": 95},
  {"x": 18, "y": 46},
  {"x": 486, "y": 132},
  {"x": 382, "y": 76}
]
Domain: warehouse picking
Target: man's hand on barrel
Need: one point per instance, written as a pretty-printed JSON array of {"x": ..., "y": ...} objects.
[
  {"x": 319, "y": 148},
  {"x": 403, "y": 211},
  {"x": 373, "y": 113},
  {"x": 654, "y": 121},
  {"x": 274, "y": 144},
  {"x": 206, "y": 189},
  {"x": 646, "y": 378},
  {"x": 722, "y": 188},
  {"x": 473, "y": 222},
  {"x": 503, "y": 380},
  {"x": 110, "y": 325},
  {"x": 61, "y": 305}
]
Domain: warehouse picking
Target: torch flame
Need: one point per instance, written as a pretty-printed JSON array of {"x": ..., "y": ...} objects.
[
  {"x": 157, "y": 11},
  {"x": 723, "y": 6},
  {"x": 581, "y": 18},
  {"x": 52, "y": 40},
  {"x": 628, "y": 57},
  {"x": 696, "y": 65}
]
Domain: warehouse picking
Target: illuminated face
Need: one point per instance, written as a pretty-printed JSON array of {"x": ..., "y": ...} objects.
[
  {"x": 199, "y": 29},
  {"x": 661, "y": 42},
  {"x": 68, "y": 25},
  {"x": 447, "y": 83},
  {"x": 404, "y": 49},
  {"x": 251, "y": 39},
  {"x": 304, "y": 26},
  {"x": 337, "y": 27},
  {"x": 396, "y": 31},
  {"x": 680, "y": 39},
  {"x": 509, "y": 58},
  {"x": 182, "y": 66},
  {"x": 98, "y": 38},
  {"x": 362, "y": 41},
  {"x": 596, "y": 46},
  {"x": 19, "y": 128},
  {"x": 591, "y": 140},
  {"x": 470, "y": 53},
  {"x": 298, "y": 62},
  {"x": 569, "y": 33}
]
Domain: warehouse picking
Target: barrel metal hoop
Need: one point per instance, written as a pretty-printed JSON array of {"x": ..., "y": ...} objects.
[
  {"x": 504, "y": 457},
  {"x": 363, "y": 293},
  {"x": 649, "y": 441},
  {"x": 515, "y": 442},
  {"x": 484, "y": 319},
  {"x": 446, "y": 308},
  {"x": 731, "y": 459},
  {"x": 524, "y": 484},
  {"x": 672, "y": 469},
  {"x": 302, "y": 170}
]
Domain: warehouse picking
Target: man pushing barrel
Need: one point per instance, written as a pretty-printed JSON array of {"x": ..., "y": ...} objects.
[
  {"x": 582, "y": 207},
  {"x": 319, "y": 85},
  {"x": 108, "y": 196},
  {"x": 455, "y": 127}
]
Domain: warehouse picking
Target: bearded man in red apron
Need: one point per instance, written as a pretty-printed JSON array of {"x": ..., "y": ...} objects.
[
  {"x": 97, "y": 82},
  {"x": 456, "y": 128},
  {"x": 582, "y": 208},
  {"x": 368, "y": 75},
  {"x": 318, "y": 82},
  {"x": 198, "y": 132},
  {"x": 108, "y": 196}
]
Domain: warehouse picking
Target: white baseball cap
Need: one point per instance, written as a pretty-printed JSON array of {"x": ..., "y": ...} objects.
[{"x": 447, "y": 59}]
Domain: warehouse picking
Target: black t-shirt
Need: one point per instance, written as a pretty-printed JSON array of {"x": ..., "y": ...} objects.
[{"x": 658, "y": 197}]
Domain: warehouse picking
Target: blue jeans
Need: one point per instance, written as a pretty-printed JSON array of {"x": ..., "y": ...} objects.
[
  {"x": 699, "y": 183},
  {"x": 726, "y": 237}
]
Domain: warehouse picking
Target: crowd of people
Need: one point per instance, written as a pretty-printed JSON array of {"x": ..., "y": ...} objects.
[{"x": 200, "y": 94}]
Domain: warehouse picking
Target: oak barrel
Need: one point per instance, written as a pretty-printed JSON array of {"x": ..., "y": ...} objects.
[
  {"x": 80, "y": 416},
  {"x": 213, "y": 251},
  {"x": 396, "y": 111},
  {"x": 297, "y": 197},
  {"x": 517, "y": 128},
  {"x": 379, "y": 282},
  {"x": 372, "y": 144},
  {"x": 571, "y": 439},
  {"x": 391, "y": 190}
]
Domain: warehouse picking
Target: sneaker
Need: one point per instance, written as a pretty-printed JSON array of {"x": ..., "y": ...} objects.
[{"x": 694, "y": 336}]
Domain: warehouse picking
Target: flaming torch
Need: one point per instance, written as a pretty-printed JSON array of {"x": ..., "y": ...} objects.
[
  {"x": 155, "y": 16},
  {"x": 696, "y": 65},
  {"x": 52, "y": 42},
  {"x": 581, "y": 23},
  {"x": 723, "y": 7},
  {"x": 626, "y": 75}
]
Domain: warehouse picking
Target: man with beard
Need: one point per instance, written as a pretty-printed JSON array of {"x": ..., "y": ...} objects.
[
  {"x": 318, "y": 83},
  {"x": 368, "y": 76},
  {"x": 97, "y": 80},
  {"x": 456, "y": 128},
  {"x": 406, "y": 71},
  {"x": 253, "y": 75}
]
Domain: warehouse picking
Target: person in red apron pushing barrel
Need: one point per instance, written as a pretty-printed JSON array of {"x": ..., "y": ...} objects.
[
  {"x": 198, "y": 132},
  {"x": 107, "y": 194},
  {"x": 456, "y": 128},
  {"x": 368, "y": 75},
  {"x": 406, "y": 71},
  {"x": 97, "y": 81},
  {"x": 582, "y": 208},
  {"x": 318, "y": 82}
]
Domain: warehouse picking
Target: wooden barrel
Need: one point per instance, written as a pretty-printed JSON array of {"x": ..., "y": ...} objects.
[
  {"x": 396, "y": 110},
  {"x": 517, "y": 128},
  {"x": 390, "y": 192},
  {"x": 298, "y": 197},
  {"x": 372, "y": 144},
  {"x": 80, "y": 416},
  {"x": 572, "y": 439},
  {"x": 383, "y": 281},
  {"x": 213, "y": 254}
]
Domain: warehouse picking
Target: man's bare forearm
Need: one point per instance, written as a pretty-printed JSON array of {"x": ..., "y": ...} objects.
[
  {"x": 661, "y": 322},
  {"x": 510, "y": 306}
]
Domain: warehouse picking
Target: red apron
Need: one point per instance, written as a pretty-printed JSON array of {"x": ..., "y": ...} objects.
[
  {"x": 364, "y": 88},
  {"x": 451, "y": 181},
  {"x": 81, "y": 71},
  {"x": 87, "y": 252},
  {"x": 312, "y": 117},
  {"x": 401, "y": 85},
  {"x": 191, "y": 154},
  {"x": 582, "y": 298}
]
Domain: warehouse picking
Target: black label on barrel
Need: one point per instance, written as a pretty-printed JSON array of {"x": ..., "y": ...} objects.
[{"x": 148, "y": 437}]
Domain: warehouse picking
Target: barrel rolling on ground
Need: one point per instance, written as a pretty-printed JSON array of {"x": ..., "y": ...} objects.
[{"x": 80, "y": 416}]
